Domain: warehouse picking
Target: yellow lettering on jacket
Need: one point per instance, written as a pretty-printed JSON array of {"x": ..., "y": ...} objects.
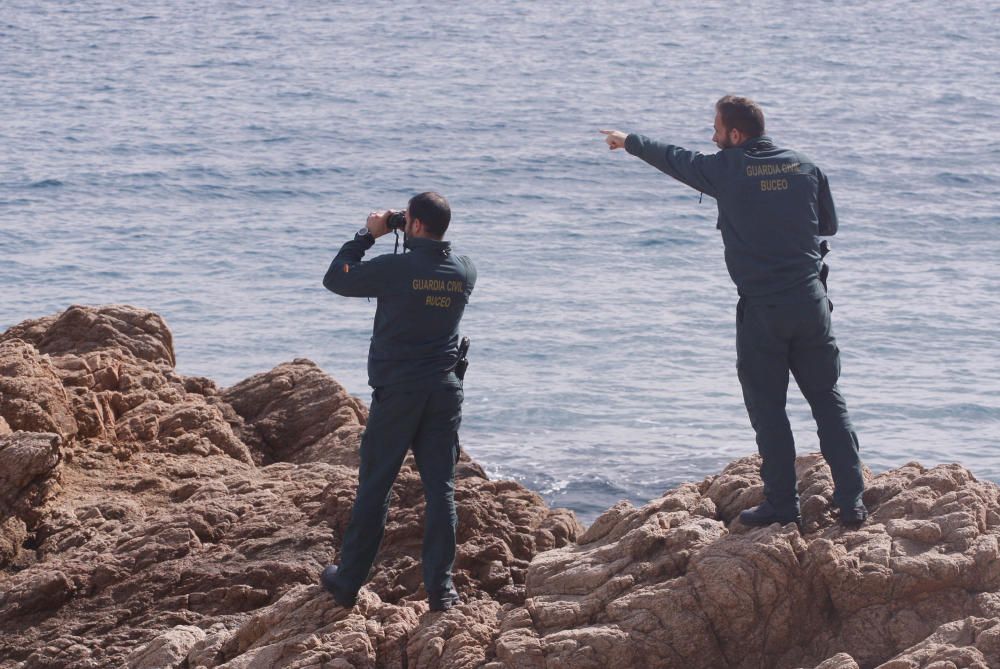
[
  {"x": 437, "y": 285},
  {"x": 438, "y": 301},
  {"x": 773, "y": 184},
  {"x": 428, "y": 284},
  {"x": 772, "y": 169}
]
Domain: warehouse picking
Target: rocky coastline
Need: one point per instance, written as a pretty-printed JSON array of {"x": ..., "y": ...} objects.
[{"x": 149, "y": 519}]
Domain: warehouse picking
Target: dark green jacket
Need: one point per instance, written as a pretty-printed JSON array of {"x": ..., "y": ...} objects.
[
  {"x": 773, "y": 205},
  {"x": 421, "y": 298}
]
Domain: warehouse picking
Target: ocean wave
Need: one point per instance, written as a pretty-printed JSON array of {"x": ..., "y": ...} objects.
[{"x": 47, "y": 183}]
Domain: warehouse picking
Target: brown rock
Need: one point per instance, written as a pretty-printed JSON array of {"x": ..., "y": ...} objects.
[
  {"x": 668, "y": 585},
  {"x": 134, "y": 549},
  {"x": 13, "y": 535},
  {"x": 971, "y": 642},
  {"x": 168, "y": 650},
  {"x": 177, "y": 525},
  {"x": 838, "y": 661},
  {"x": 168, "y": 519},
  {"x": 460, "y": 638},
  {"x": 32, "y": 397},
  {"x": 28, "y": 470},
  {"x": 738, "y": 487},
  {"x": 29, "y": 477},
  {"x": 305, "y": 628},
  {"x": 296, "y": 413},
  {"x": 107, "y": 378},
  {"x": 185, "y": 426},
  {"x": 80, "y": 330},
  {"x": 501, "y": 526}
]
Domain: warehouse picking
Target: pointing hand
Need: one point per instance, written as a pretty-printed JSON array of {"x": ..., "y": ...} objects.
[{"x": 614, "y": 138}]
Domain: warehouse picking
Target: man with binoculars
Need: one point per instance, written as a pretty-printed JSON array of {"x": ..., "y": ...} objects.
[
  {"x": 773, "y": 204},
  {"x": 415, "y": 366}
]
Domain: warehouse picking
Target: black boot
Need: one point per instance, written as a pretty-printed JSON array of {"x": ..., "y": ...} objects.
[
  {"x": 327, "y": 580},
  {"x": 445, "y": 600},
  {"x": 765, "y": 514},
  {"x": 854, "y": 517}
]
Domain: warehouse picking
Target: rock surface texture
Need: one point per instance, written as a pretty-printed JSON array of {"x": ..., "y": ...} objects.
[
  {"x": 671, "y": 584},
  {"x": 153, "y": 520}
]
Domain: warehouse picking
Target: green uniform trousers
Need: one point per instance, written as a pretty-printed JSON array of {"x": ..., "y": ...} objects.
[
  {"x": 427, "y": 422},
  {"x": 771, "y": 340}
]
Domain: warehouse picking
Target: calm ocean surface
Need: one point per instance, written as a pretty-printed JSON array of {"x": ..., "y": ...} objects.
[{"x": 206, "y": 160}]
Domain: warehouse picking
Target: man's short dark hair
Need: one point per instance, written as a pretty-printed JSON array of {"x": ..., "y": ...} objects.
[
  {"x": 741, "y": 114},
  {"x": 433, "y": 211}
]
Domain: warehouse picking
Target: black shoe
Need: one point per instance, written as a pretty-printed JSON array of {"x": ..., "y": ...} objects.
[
  {"x": 765, "y": 514},
  {"x": 854, "y": 517},
  {"x": 342, "y": 598},
  {"x": 444, "y": 601}
]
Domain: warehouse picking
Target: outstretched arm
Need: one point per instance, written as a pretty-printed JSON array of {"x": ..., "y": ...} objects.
[{"x": 689, "y": 167}]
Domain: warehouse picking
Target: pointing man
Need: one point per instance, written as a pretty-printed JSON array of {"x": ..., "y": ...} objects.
[{"x": 773, "y": 204}]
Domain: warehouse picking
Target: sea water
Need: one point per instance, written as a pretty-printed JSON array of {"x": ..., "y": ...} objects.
[{"x": 206, "y": 161}]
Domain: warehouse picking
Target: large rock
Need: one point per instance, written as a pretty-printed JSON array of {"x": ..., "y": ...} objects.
[
  {"x": 971, "y": 642},
  {"x": 107, "y": 377},
  {"x": 151, "y": 520},
  {"x": 501, "y": 526},
  {"x": 296, "y": 413},
  {"x": 178, "y": 525},
  {"x": 194, "y": 540},
  {"x": 81, "y": 330},
  {"x": 304, "y": 628},
  {"x": 672, "y": 585},
  {"x": 32, "y": 397}
]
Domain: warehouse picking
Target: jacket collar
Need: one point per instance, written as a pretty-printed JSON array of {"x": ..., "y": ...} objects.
[
  {"x": 427, "y": 245},
  {"x": 757, "y": 144}
]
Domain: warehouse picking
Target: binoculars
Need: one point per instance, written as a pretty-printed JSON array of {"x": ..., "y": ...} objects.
[{"x": 396, "y": 220}]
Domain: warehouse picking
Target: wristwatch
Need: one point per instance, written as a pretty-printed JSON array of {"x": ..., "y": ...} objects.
[{"x": 365, "y": 232}]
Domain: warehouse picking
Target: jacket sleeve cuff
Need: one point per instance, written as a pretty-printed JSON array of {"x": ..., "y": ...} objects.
[
  {"x": 633, "y": 144},
  {"x": 366, "y": 241}
]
